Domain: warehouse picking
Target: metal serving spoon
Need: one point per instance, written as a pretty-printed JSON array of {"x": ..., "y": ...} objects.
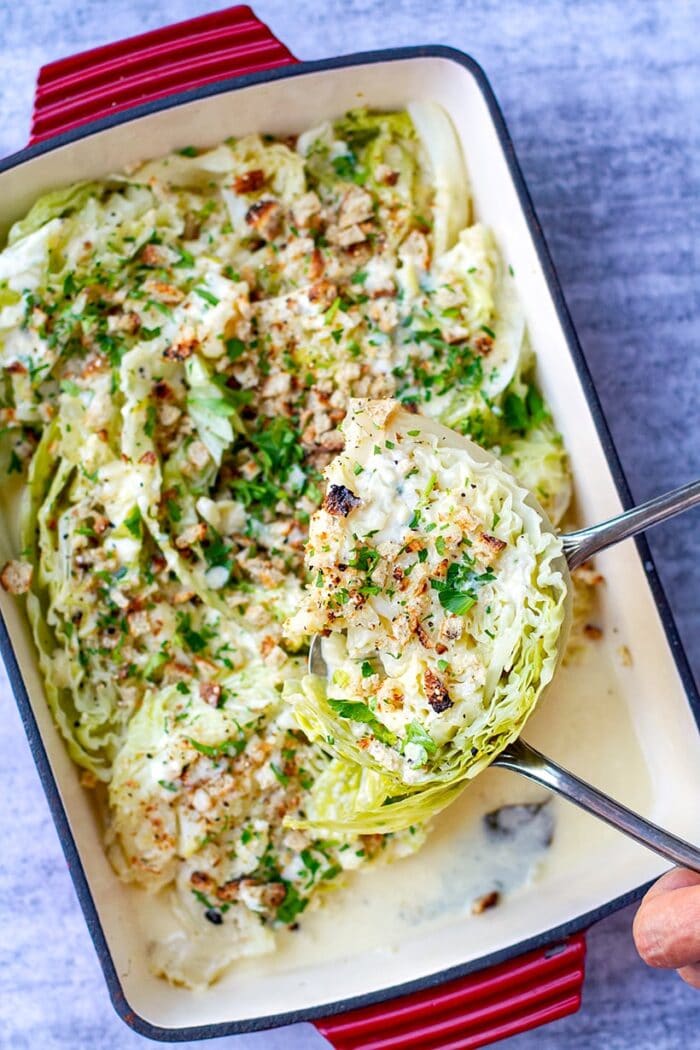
[
  {"x": 577, "y": 547},
  {"x": 523, "y": 759},
  {"x": 581, "y": 545}
]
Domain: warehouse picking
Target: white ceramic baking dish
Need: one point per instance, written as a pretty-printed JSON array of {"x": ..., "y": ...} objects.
[{"x": 629, "y": 727}]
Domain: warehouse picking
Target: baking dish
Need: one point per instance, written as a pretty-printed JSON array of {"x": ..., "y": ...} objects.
[{"x": 648, "y": 753}]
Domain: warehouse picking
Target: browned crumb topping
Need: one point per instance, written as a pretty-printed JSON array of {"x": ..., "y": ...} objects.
[
  {"x": 16, "y": 577},
  {"x": 436, "y": 692},
  {"x": 340, "y": 500},
  {"x": 489, "y": 900}
]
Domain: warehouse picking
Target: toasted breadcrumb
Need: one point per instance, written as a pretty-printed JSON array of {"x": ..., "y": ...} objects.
[
  {"x": 489, "y": 900},
  {"x": 16, "y": 577}
]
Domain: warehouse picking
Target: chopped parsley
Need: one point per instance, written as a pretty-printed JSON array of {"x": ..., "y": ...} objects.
[
  {"x": 149, "y": 427},
  {"x": 207, "y": 296},
  {"x": 230, "y": 748},
  {"x": 365, "y": 559},
  {"x": 133, "y": 522},
  {"x": 355, "y": 711},
  {"x": 416, "y": 734},
  {"x": 458, "y": 591},
  {"x": 15, "y": 463},
  {"x": 281, "y": 776},
  {"x": 195, "y": 641},
  {"x": 67, "y": 386},
  {"x": 292, "y": 906},
  {"x": 521, "y": 414}
]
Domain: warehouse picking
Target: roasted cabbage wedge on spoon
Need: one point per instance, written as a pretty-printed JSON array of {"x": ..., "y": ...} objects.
[
  {"x": 442, "y": 595},
  {"x": 440, "y": 600}
]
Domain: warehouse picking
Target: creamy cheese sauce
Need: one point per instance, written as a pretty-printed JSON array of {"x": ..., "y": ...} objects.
[{"x": 380, "y": 910}]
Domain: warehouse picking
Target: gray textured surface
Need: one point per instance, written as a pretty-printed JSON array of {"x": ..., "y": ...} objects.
[{"x": 602, "y": 101}]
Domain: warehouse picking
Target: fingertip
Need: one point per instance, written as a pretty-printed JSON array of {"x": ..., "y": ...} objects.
[
  {"x": 666, "y": 928},
  {"x": 645, "y": 936},
  {"x": 675, "y": 879},
  {"x": 691, "y": 975}
]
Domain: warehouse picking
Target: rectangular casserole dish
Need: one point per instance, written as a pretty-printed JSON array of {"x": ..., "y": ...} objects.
[{"x": 632, "y": 730}]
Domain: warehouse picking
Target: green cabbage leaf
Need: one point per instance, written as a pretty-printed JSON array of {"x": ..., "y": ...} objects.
[{"x": 54, "y": 205}]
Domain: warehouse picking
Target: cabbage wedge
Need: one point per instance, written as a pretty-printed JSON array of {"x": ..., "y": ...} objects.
[{"x": 441, "y": 595}]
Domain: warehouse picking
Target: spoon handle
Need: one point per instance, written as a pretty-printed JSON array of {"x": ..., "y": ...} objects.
[
  {"x": 581, "y": 545},
  {"x": 522, "y": 758}
]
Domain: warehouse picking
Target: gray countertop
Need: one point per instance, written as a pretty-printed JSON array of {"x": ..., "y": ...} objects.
[{"x": 602, "y": 100}]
